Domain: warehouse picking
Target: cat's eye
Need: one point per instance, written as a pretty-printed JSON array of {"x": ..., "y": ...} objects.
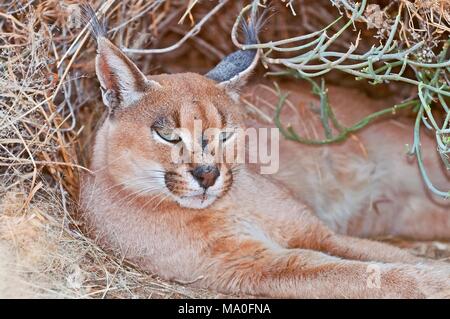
[
  {"x": 224, "y": 136},
  {"x": 168, "y": 135}
]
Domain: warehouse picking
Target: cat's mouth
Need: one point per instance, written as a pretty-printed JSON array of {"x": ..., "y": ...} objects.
[
  {"x": 197, "y": 201},
  {"x": 205, "y": 195},
  {"x": 202, "y": 197},
  {"x": 191, "y": 192}
]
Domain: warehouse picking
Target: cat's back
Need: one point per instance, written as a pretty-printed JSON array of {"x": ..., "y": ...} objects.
[{"x": 367, "y": 172}]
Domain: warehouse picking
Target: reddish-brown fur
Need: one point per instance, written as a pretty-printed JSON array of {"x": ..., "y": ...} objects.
[{"x": 261, "y": 235}]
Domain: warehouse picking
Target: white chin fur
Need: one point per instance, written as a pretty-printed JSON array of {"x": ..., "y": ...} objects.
[{"x": 195, "y": 202}]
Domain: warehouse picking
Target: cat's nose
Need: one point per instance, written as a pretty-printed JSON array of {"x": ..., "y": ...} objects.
[{"x": 206, "y": 175}]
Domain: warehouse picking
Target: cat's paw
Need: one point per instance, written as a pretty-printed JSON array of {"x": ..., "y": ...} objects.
[{"x": 418, "y": 281}]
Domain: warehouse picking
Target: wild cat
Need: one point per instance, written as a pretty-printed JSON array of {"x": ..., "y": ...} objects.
[{"x": 220, "y": 224}]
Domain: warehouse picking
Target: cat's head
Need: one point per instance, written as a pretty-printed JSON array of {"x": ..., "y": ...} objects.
[{"x": 170, "y": 136}]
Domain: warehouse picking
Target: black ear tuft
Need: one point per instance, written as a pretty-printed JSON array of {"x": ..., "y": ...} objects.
[
  {"x": 122, "y": 83},
  {"x": 88, "y": 17},
  {"x": 254, "y": 24}
]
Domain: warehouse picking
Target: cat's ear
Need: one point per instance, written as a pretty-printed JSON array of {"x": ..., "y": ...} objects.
[
  {"x": 233, "y": 71},
  {"x": 121, "y": 81}
]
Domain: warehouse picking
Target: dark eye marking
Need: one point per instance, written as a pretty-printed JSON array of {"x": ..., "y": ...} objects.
[
  {"x": 165, "y": 130},
  {"x": 161, "y": 122},
  {"x": 223, "y": 120},
  {"x": 204, "y": 142},
  {"x": 224, "y": 136}
]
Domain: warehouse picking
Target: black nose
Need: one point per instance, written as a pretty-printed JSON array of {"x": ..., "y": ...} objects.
[{"x": 206, "y": 175}]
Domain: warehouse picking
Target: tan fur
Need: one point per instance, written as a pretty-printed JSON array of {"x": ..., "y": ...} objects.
[
  {"x": 260, "y": 237},
  {"x": 279, "y": 236},
  {"x": 367, "y": 186}
]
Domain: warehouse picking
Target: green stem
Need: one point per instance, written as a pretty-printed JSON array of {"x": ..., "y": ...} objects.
[{"x": 290, "y": 134}]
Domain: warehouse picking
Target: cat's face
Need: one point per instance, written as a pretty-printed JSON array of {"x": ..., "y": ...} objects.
[
  {"x": 180, "y": 141},
  {"x": 170, "y": 137},
  {"x": 175, "y": 137}
]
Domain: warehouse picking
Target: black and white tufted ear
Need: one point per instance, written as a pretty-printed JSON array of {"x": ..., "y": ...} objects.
[
  {"x": 121, "y": 81},
  {"x": 232, "y": 72}
]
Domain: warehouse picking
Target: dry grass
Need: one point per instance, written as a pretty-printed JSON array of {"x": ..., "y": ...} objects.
[
  {"x": 45, "y": 255},
  {"x": 49, "y": 103},
  {"x": 49, "y": 107}
]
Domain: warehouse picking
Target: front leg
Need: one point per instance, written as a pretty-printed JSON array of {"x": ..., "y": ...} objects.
[
  {"x": 293, "y": 225},
  {"x": 367, "y": 250},
  {"x": 306, "y": 231},
  {"x": 254, "y": 269}
]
